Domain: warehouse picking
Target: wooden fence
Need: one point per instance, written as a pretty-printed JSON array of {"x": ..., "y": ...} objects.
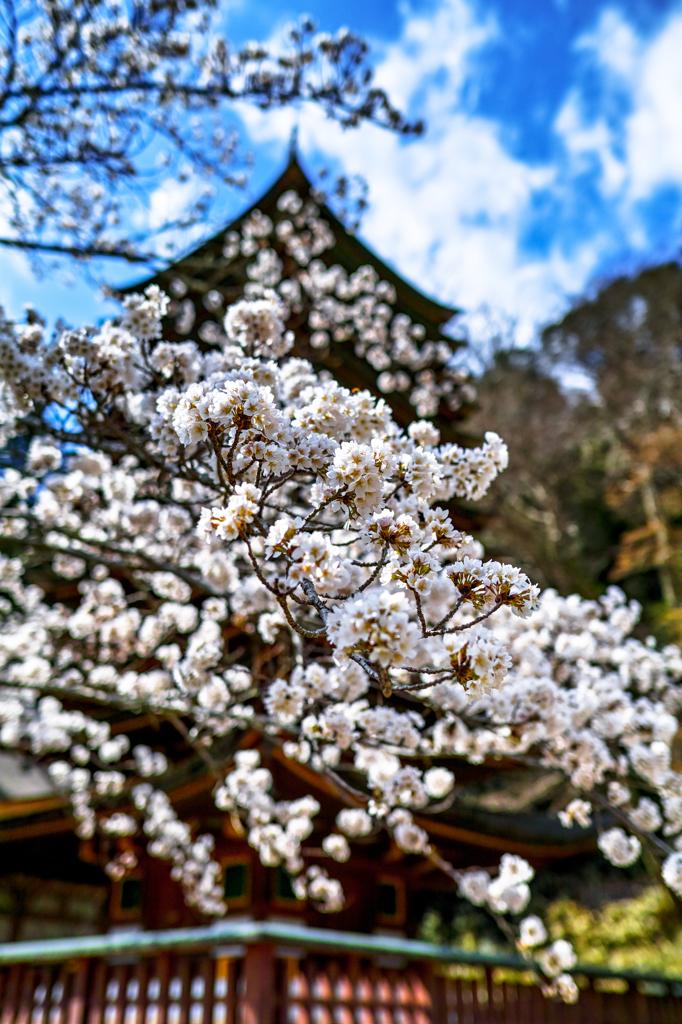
[{"x": 279, "y": 974}]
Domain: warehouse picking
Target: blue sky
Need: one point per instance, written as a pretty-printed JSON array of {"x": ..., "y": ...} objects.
[{"x": 552, "y": 159}]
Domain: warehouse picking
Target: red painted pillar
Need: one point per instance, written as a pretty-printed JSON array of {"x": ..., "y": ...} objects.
[
  {"x": 435, "y": 986},
  {"x": 259, "y": 998}
]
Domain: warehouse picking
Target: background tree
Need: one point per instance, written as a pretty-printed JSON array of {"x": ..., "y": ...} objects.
[
  {"x": 546, "y": 512},
  {"x": 594, "y": 489},
  {"x": 100, "y": 100}
]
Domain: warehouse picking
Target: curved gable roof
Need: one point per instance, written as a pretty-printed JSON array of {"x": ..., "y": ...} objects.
[
  {"x": 205, "y": 261},
  {"x": 216, "y": 273}
]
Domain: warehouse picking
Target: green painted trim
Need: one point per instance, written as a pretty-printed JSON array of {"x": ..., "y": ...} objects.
[{"x": 118, "y": 944}]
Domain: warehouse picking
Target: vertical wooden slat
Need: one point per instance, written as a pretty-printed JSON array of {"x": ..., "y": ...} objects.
[
  {"x": 540, "y": 1005},
  {"x": 485, "y": 988},
  {"x": 234, "y": 987},
  {"x": 96, "y": 995},
  {"x": 121, "y": 976},
  {"x": 597, "y": 1006},
  {"x": 153, "y": 986},
  {"x": 290, "y": 972},
  {"x": 140, "y": 975},
  {"x": 43, "y": 981},
  {"x": 207, "y": 973},
  {"x": 451, "y": 999},
  {"x": 552, "y": 1006},
  {"x": 602, "y": 1000},
  {"x": 182, "y": 972},
  {"x": 76, "y": 1004},
  {"x": 507, "y": 1010},
  {"x": 675, "y": 1011},
  {"x": 527, "y": 1004},
  {"x": 25, "y": 1002},
  {"x": 507, "y": 1007},
  {"x": 63, "y": 979},
  {"x": 353, "y": 977},
  {"x": 515, "y": 995},
  {"x": 163, "y": 974},
  {"x": 11, "y": 994},
  {"x": 221, "y": 991}
]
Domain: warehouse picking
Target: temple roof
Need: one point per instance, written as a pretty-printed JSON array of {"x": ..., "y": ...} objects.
[
  {"x": 210, "y": 269},
  {"x": 495, "y": 810},
  {"x": 392, "y": 341}
]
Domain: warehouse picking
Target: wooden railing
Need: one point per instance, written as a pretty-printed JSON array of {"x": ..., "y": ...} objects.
[{"x": 275, "y": 973}]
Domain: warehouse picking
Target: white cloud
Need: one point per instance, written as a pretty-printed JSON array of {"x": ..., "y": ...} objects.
[
  {"x": 437, "y": 48},
  {"x": 654, "y": 129},
  {"x": 614, "y": 41},
  {"x": 641, "y": 151},
  {"x": 454, "y": 210},
  {"x": 587, "y": 142},
  {"x": 171, "y": 200}
]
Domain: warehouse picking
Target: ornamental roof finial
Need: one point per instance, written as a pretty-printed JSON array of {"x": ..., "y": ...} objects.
[{"x": 293, "y": 144}]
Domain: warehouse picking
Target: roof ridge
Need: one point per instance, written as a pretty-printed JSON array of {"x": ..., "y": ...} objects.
[{"x": 356, "y": 251}]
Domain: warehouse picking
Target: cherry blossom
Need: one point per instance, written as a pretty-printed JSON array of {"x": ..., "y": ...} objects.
[{"x": 182, "y": 494}]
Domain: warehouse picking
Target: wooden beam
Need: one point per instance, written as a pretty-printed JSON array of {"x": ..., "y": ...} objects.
[
  {"x": 35, "y": 829},
  {"x": 23, "y": 808},
  {"x": 505, "y": 844},
  {"x": 453, "y": 833}
]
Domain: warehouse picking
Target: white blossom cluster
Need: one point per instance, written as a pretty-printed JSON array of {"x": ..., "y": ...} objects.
[
  {"x": 171, "y": 839},
  {"x": 356, "y": 308},
  {"x": 587, "y": 698},
  {"x": 555, "y": 960},
  {"x": 508, "y": 893},
  {"x": 277, "y": 828},
  {"x": 294, "y": 507},
  {"x": 231, "y": 546}
]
